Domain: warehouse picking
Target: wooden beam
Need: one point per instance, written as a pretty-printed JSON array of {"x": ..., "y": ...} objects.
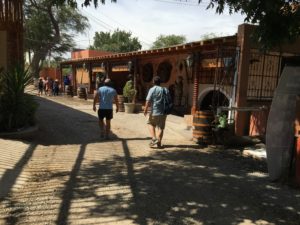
[{"x": 244, "y": 109}]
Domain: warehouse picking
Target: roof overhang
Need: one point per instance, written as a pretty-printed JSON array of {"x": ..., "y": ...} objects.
[{"x": 185, "y": 48}]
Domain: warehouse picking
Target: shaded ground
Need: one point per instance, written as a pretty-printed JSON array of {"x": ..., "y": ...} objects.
[{"x": 66, "y": 175}]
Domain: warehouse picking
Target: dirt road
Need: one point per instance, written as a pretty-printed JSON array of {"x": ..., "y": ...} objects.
[{"x": 67, "y": 175}]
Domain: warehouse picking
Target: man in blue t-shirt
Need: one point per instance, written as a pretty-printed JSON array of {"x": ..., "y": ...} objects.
[
  {"x": 157, "y": 117},
  {"x": 105, "y": 95}
]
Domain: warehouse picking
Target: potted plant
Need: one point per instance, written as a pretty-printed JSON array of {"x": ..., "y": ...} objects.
[
  {"x": 129, "y": 97},
  {"x": 222, "y": 129}
]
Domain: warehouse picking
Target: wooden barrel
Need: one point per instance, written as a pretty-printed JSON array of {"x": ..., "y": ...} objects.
[
  {"x": 121, "y": 103},
  {"x": 69, "y": 90},
  {"x": 82, "y": 93},
  {"x": 202, "y": 127}
]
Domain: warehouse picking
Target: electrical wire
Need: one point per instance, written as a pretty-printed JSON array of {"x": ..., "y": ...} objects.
[
  {"x": 99, "y": 22},
  {"x": 113, "y": 28},
  {"x": 110, "y": 27},
  {"x": 148, "y": 41},
  {"x": 187, "y": 3}
]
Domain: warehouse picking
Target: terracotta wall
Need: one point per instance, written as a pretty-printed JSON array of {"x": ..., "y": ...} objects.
[
  {"x": 258, "y": 119},
  {"x": 253, "y": 123},
  {"x": 244, "y": 43},
  {"x": 53, "y": 73},
  {"x": 82, "y": 77},
  {"x": 120, "y": 78},
  {"x": 175, "y": 61},
  {"x": 88, "y": 53}
]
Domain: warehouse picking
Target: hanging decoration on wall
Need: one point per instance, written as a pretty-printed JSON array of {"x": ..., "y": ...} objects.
[{"x": 188, "y": 65}]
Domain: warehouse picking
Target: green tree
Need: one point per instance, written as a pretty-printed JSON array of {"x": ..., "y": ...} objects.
[
  {"x": 278, "y": 20},
  {"x": 50, "y": 29},
  {"x": 118, "y": 41},
  {"x": 208, "y": 36},
  {"x": 73, "y": 3},
  {"x": 163, "y": 41}
]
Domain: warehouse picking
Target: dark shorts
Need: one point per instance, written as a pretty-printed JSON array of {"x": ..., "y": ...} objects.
[{"x": 105, "y": 113}]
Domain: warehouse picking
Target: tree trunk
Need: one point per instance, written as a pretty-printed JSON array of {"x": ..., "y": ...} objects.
[
  {"x": 35, "y": 64},
  {"x": 42, "y": 53}
]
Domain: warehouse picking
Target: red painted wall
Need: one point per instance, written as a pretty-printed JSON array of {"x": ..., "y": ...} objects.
[
  {"x": 88, "y": 53},
  {"x": 258, "y": 122},
  {"x": 53, "y": 73}
]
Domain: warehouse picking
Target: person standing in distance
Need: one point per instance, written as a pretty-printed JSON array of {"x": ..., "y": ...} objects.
[
  {"x": 157, "y": 117},
  {"x": 105, "y": 95}
]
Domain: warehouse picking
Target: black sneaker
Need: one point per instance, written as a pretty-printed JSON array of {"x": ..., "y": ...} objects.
[{"x": 159, "y": 145}]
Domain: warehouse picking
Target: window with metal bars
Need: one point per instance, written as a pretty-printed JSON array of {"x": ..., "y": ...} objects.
[
  {"x": 220, "y": 76},
  {"x": 217, "y": 67},
  {"x": 264, "y": 72}
]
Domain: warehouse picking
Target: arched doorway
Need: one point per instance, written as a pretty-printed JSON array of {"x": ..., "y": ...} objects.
[
  {"x": 212, "y": 99},
  {"x": 164, "y": 71}
]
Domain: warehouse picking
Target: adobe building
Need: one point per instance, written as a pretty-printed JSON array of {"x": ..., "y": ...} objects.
[
  {"x": 227, "y": 73},
  {"x": 51, "y": 72}
]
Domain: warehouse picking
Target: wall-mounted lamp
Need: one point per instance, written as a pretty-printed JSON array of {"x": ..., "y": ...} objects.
[
  {"x": 189, "y": 61},
  {"x": 84, "y": 66},
  {"x": 129, "y": 64},
  {"x": 228, "y": 61}
]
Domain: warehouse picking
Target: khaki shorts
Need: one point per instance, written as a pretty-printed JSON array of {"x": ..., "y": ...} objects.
[{"x": 157, "y": 121}]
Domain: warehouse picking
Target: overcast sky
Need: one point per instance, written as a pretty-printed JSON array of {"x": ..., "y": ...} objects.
[{"x": 147, "y": 19}]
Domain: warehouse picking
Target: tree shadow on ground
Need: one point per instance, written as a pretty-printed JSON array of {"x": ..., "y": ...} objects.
[
  {"x": 8, "y": 180},
  {"x": 61, "y": 125},
  {"x": 56, "y": 127},
  {"x": 177, "y": 186},
  {"x": 9, "y": 177},
  {"x": 184, "y": 187},
  {"x": 186, "y": 146}
]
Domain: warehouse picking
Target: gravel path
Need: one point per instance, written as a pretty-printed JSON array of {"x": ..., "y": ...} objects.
[{"x": 67, "y": 175}]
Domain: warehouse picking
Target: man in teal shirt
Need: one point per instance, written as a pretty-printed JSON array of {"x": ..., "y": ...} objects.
[
  {"x": 105, "y": 95},
  {"x": 157, "y": 117}
]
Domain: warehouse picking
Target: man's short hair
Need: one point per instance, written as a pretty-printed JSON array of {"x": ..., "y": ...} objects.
[
  {"x": 130, "y": 77},
  {"x": 156, "y": 80},
  {"x": 107, "y": 82}
]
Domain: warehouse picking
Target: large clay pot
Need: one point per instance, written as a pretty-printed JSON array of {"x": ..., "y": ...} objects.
[
  {"x": 138, "y": 107},
  {"x": 129, "y": 107}
]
